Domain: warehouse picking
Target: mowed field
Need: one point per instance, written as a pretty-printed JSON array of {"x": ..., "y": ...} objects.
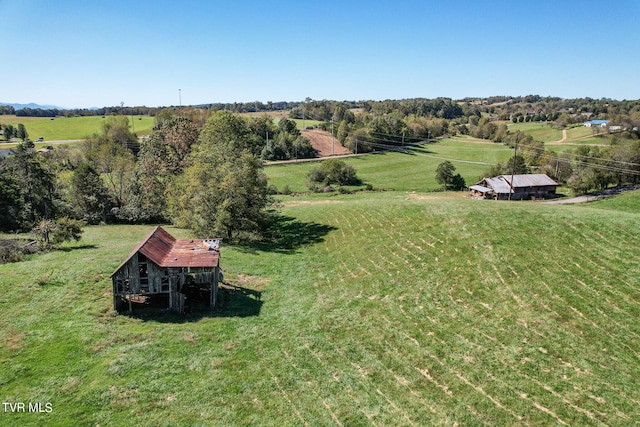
[
  {"x": 71, "y": 128},
  {"x": 575, "y": 136},
  {"x": 394, "y": 308},
  {"x": 405, "y": 172}
]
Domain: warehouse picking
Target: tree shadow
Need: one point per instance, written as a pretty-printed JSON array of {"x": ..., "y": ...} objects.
[
  {"x": 286, "y": 234},
  {"x": 236, "y": 301},
  {"x": 418, "y": 149},
  {"x": 78, "y": 247}
]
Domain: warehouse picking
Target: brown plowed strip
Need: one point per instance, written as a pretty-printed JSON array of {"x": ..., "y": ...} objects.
[{"x": 324, "y": 143}]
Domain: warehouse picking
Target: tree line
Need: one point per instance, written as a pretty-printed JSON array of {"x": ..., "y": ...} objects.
[
  {"x": 197, "y": 161},
  {"x": 9, "y": 131},
  {"x": 207, "y": 177}
]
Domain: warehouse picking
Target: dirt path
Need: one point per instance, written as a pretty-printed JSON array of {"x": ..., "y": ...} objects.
[
  {"x": 573, "y": 141},
  {"x": 564, "y": 136},
  {"x": 571, "y": 201},
  {"x": 593, "y": 197}
]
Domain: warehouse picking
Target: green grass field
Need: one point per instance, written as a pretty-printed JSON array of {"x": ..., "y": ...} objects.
[
  {"x": 70, "y": 128},
  {"x": 396, "y": 307},
  {"x": 392, "y": 308},
  {"x": 540, "y": 131},
  {"x": 576, "y": 136},
  {"x": 406, "y": 172}
]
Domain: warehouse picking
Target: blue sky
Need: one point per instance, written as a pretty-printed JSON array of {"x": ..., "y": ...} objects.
[{"x": 83, "y": 53}]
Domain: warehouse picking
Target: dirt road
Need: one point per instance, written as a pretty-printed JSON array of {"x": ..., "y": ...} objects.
[{"x": 593, "y": 197}]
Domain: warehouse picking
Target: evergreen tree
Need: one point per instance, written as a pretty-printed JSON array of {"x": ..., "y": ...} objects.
[
  {"x": 21, "y": 132},
  {"x": 444, "y": 174},
  {"x": 89, "y": 195}
]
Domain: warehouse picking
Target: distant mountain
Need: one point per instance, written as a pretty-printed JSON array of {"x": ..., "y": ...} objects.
[{"x": 33, "y": 106}]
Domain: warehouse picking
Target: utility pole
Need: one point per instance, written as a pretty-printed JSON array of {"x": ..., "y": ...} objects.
[
  {"x": 332, "y": 139},
  {"x": 356, "y": 145},
  {"x": 180, "y": 98},
  {"x": 513, "y": 169}
]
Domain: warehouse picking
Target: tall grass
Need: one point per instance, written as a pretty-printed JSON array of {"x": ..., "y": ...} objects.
[{"x": 392, "y": 308}]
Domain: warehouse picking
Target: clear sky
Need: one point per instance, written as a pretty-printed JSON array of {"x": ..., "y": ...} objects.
[{"x": 86, "y": 53}]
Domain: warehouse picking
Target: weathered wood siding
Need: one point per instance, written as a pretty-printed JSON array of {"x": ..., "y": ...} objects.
[{"x": 131, "y": 279}]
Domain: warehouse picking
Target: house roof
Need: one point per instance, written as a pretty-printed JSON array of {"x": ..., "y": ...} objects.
[
  {"x": 530, "y": 180},
  {"x": 599, "y": 122},
  {"x": 164, "y": 250},
  {"x": 498, "y": 184},
  {"x": 502, "y": 183},
  {"x": 480, "y": 188}
]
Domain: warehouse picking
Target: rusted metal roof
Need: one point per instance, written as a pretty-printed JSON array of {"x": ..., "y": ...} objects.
[{"x": 164, "y": 250}]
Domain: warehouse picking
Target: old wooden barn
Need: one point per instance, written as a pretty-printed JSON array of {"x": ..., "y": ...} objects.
[
  {"x": 515, "y": 187},
  {"x": 160, "y": 264}
]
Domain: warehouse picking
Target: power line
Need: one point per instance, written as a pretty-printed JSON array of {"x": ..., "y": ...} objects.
[{"x": 382, "y": 142}]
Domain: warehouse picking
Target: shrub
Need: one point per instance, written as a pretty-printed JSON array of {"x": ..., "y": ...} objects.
[
  {"x": 66, "y": 230},
  {"x": 51, "y": 233},
  {"x": 316, "y": 175},
  {"x": 333, "y": 171}
]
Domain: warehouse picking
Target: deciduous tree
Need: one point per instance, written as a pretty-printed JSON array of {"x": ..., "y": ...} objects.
[{"x": 223, "y": 191}]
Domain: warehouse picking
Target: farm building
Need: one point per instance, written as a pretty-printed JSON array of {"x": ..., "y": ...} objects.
[
  {"x": 599, "y": 123},
  {"x": 523, "y": 187},
  {"x": 162, "y": 265}
]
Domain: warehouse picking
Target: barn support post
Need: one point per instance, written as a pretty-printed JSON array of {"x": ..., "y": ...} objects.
[
  {"x": 115, "y": 296},
  {"x": 182, "y": 298},
  {"x": 214, "y": 289}
]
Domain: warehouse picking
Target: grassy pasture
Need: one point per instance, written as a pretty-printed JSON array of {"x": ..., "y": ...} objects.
[
  {"x": 540, "y": 131},
  {"x": 406, "y": 172},
  {"x": 578, "y": 132},
  {"x": 70, "y": 128},
  {"x": 377, "y": 309}
]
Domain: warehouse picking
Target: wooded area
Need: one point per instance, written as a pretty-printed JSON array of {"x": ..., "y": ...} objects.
[{"x": 201, "y": 168}]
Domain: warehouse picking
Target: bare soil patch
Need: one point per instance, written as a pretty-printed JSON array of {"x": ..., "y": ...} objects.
[{"x": 324, "y": 143}]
